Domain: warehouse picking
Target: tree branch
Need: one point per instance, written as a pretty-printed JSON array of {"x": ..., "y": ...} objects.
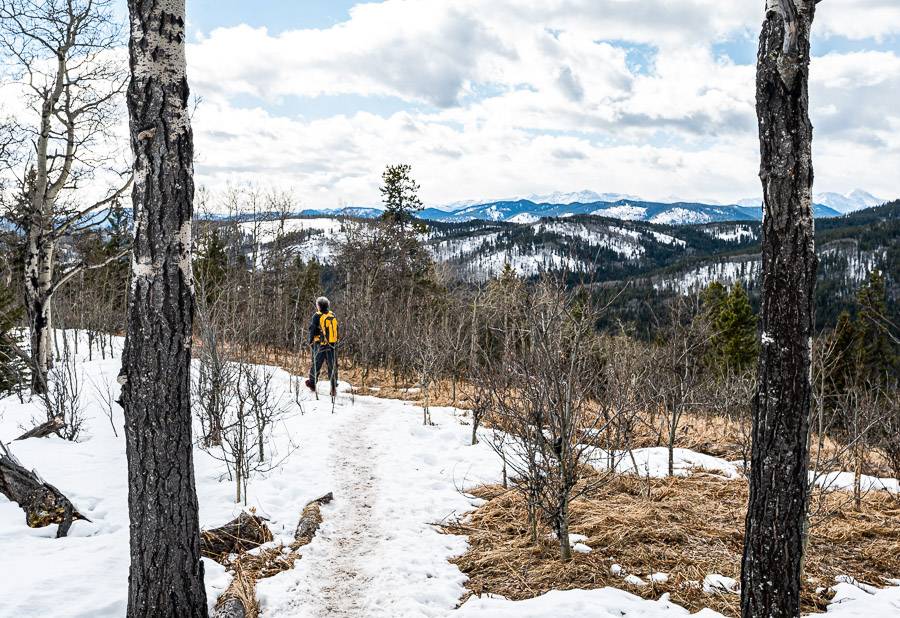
[{"x": 83, "y": 266}]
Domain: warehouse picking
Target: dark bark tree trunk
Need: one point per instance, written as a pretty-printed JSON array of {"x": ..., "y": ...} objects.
[
  {"x": 166, "y": 574},
  {"x": 776, "y": 516}
]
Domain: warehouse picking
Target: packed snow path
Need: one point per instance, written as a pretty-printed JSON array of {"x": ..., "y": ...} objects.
[
  {"x": 351, "y": 537},
  {"x": 377, "y": 552}
]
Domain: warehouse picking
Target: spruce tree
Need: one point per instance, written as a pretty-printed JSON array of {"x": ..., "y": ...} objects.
[
  {"x": 877, "y": 353},
  {"x": 11, "y": 366},
  {"x": 400, "y": 194},
  {"x": 738, "y": 325}
]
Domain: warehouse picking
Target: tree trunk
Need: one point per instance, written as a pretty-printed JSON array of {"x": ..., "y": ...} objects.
[
  {"x": 166, "y": 573},
  {"x": 43, "y": 503},
  {"x": 776, "y": 515},
  {"x": 51, "y": 426},
  {"x": 38, "y": 273}
]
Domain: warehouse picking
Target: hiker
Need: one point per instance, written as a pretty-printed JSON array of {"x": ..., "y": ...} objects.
[{"x": 323, "y": 338}]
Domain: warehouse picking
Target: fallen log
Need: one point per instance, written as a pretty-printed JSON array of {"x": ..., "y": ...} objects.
[
  {"x": 244, "y": 532},
  {"x": 239, "y": 599},
  {"x": 44, "y": 429},
  {"x": 310, "y": 519},
  {"x": 43, "y": 503}
]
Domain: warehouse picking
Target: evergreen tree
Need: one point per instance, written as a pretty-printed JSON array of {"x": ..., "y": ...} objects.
[
  {"x": 400, "y": 194},
  {"x": 845, "y": 344},
  {"x": 734, "y": 345},
  {"x": 211, "y": 265},
  {"x": 11, "y": 366},
  {"x": 738, "y": 323},
  {"x": 877, "y": 353}
]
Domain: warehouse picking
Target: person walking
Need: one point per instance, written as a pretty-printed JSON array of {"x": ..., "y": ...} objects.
[{"x": 323, "y": 339}]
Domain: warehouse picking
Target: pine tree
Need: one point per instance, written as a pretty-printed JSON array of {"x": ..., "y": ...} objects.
[
  {"x": 400, "y": 194},
  {"x": 211, "y": 265},
  {"x": 737, "y": 322},
  {"x": 11, "y": 366},
  {"x": 877, "y": 353},
  {"x": 734, "y": 344}
]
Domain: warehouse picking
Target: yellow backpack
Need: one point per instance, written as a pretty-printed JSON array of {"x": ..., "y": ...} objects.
[{"x": 328, "y": 326}]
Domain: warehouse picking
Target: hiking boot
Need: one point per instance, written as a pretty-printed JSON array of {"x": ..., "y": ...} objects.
[{"x": 310, "y": 385}]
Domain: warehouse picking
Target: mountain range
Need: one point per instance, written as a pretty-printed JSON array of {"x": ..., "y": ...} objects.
[{"x": 532, "y": 208}]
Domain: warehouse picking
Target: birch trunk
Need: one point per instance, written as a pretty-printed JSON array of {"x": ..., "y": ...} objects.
[
  {"x": 166, "y": 574},
  {"x": 776, "y": 516},
  {"x": 38, "y": 294}
]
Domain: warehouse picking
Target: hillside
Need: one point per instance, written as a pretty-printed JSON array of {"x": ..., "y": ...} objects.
[{"x": 652, "y": 260}]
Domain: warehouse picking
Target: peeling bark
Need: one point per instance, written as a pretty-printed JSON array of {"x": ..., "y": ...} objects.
[
  {"x": 776, "y": 515},
  {"x": 166, "y": 573}
]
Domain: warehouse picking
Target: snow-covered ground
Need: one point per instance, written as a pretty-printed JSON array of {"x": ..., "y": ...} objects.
[{"x": 377, "y": 554}]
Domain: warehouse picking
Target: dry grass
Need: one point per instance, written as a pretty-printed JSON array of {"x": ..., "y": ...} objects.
[{"x": 687, "y": 527}]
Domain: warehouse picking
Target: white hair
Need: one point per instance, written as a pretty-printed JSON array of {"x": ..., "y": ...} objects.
[{"x": 322, "y": 302}]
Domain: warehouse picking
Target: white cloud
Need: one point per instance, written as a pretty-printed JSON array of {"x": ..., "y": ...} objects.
[{"x": 511, "y": 97}]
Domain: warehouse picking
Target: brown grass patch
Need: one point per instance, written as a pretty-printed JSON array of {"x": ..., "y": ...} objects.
[{"x": 687, "y": 527}]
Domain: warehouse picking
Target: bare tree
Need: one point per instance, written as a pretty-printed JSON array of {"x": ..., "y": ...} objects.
[
  {"x": 776, "y": 516},
  {"x": 679, "y": 362},
  {"x": 542, "y": 406},
  {"x": 61, "y": 50},
  {"x": 166, "y": 574}
]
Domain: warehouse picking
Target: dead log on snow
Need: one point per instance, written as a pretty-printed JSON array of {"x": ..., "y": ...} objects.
[
  {"x": 310, "y": 519},
  {"x": 244, "y": 532},
  {"x": 44, "y": 429},
  {"x": 239, "y": 600},
  {"x": 43, "y": 503}
]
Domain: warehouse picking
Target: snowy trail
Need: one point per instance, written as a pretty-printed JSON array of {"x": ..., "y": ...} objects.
[
  {"x": 350, "y": 536},
  {"x": 376, "y": 553}
]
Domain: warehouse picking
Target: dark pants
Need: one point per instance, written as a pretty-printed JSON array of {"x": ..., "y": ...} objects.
[{"x": 323, "y": 355}]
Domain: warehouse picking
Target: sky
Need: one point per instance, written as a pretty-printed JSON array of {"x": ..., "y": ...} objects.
[{"x": 500, "y": 98}]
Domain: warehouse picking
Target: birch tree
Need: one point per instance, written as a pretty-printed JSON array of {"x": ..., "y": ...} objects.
[
  {"x": 776, "y": 516},
  {"x": 166, "y": 573},
  {"x": 60, "y": 51}
]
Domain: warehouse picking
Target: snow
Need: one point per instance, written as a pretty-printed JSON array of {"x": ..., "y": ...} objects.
[
  {"x": 844, "y": 481},
  {"x": 626, "y": 212},
  {"x": 715, "y": 583},
  {"x": 268, "y": 231},
  {"x": 524, "y": 217},
  {"x": 680, "y": 216},
  {"x": 623, "y": 241},
  {"x": 730, "y": 233},
  {"x": 599, "y": 603},
  {"x": 666, "y": 239},
  {"x": 654, "y": 462},
  {"x": 377, "y": 553}
]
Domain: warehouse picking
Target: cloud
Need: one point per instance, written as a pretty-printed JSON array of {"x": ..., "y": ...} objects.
[{"x": 512, "y": 97}]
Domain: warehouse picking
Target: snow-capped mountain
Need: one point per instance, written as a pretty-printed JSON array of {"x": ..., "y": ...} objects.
[
  {"x": 576, "y": 197},
  {"x": 840, "y": 202},
  {"x": 678, "y": 213},
  {"x": 848, "y": 202}
]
